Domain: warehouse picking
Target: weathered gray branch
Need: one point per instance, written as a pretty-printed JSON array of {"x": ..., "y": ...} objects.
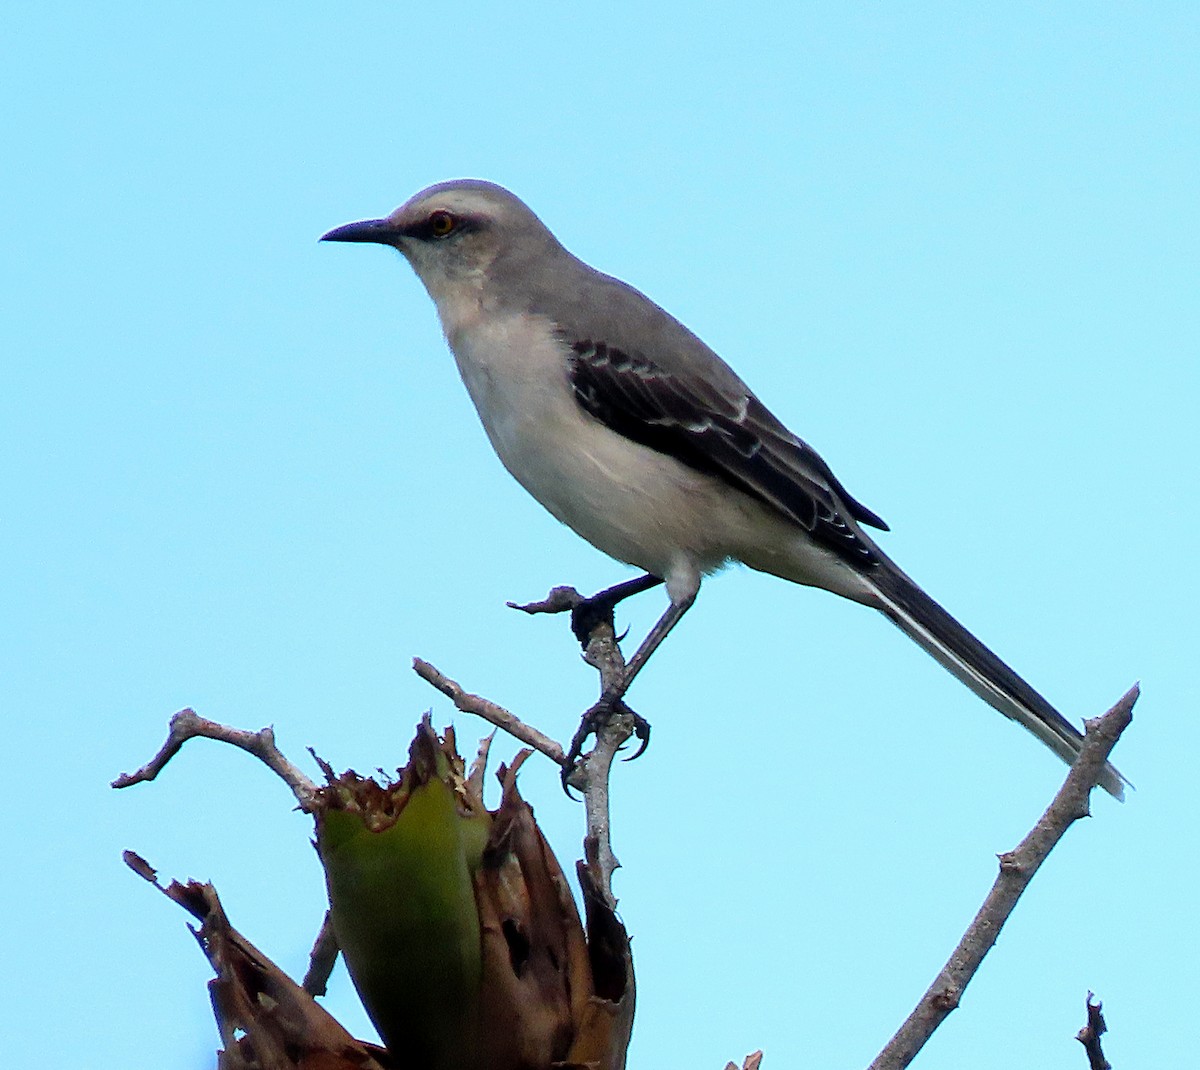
[
  {"x": 489, "y": 711},
  {"x": 187, "y": 724},
  {"x": 591, "y": 776},
  {"x": 1017, "y": 868}
]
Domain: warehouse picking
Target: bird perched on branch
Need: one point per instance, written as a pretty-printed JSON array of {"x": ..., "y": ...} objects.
[{"x": 635, "y": 434}]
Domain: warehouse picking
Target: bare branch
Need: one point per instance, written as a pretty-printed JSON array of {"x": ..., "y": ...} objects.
[
  {"x": 592, "y": 773},
  {"x": 1089, "y": 1035},
  {"x": 187, "y": 724},
  {"x": 1017, "y": 868},
  {"x": 490, "y": 712}
]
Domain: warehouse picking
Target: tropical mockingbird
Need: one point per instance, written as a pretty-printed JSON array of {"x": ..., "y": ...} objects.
[{"x": 631, "y": 431}]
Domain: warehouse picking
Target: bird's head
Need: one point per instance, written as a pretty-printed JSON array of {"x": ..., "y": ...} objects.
[{"x": 453, "y": 233}]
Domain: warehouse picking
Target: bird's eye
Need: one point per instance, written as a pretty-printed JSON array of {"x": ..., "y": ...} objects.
[{"x": 441, "y": 224}]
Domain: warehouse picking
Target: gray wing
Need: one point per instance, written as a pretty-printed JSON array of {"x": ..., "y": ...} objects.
[
  {"x": 637, "y": 369},
  {"x": 733, "y": 437}
]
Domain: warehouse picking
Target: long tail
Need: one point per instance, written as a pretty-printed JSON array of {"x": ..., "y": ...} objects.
[{"x": 924, "y": 621}]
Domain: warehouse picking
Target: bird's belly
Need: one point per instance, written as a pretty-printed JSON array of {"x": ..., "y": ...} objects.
[{"x": 634, "y": 504}]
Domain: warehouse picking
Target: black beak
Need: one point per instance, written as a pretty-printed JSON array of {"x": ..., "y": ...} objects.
[{"x": 373, "y": 230}]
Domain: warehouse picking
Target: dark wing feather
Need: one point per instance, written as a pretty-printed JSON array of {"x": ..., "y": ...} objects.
[{"x": 734, "y": 438}]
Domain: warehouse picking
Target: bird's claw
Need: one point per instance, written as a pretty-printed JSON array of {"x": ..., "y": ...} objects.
[
  {"x": 641, "y": 732},
  {"x": 592, "y": 722}
]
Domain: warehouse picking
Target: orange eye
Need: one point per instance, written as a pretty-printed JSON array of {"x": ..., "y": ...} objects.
[{"x": 441, "y": 224}]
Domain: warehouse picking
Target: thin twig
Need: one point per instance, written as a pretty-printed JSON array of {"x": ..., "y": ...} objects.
[
  {"x": 187, "y": 724},
  {"x": 1089, "y": 1035},
  {"x": 559, "y": 600},
  {"x": 590, "y": 775},
  {"x": 1017, "y": 868},
  {"x": 490, "y": 712}
]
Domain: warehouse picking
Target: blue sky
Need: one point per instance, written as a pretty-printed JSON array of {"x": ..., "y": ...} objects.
[{"x": 955, "y": 248}]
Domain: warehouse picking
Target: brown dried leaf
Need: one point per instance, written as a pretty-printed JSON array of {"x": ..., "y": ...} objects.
[
  {"x": 606, "y": 1024},
  {"x": 266, "y": 1020},
  {"x": 536, "y": 975}
]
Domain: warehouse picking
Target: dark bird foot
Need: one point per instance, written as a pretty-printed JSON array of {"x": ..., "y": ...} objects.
[
  {"x": 586, "y": 613},
  {"x": 593, "y": 721}
]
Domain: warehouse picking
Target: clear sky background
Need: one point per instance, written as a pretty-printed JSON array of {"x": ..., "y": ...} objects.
[{"x": 955, "y": 248}]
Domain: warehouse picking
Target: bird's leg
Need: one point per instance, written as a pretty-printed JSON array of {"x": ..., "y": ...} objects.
[
  {"x": 590, "y": 611},
  {"x": 673, "y": 615},
  {"x": 586, "y": 614},
  {"x": 611, "y": 700}
]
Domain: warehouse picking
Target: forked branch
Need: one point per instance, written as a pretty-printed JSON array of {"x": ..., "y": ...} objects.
[{"x": 187, "y": 724}]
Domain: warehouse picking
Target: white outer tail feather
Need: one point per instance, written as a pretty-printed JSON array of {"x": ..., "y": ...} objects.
[{"x": 1061, "y": 737}]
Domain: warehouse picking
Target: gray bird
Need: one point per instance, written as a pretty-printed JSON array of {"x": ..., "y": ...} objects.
[{"x": 636, "y": 435}]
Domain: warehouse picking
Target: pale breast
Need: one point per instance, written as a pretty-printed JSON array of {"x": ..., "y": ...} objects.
[{"x": 629, "y": 501}]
